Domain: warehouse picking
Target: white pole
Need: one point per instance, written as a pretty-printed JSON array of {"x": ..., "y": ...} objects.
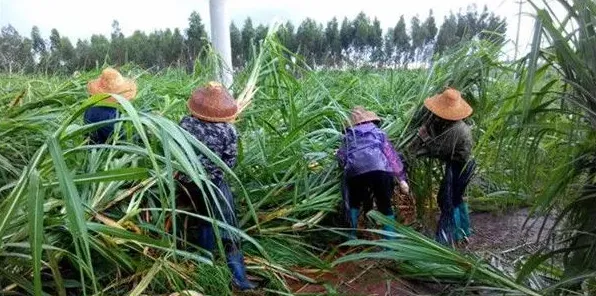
[
  {"x": 220, "y": 38},
  {"x": 519, "y": 15}
]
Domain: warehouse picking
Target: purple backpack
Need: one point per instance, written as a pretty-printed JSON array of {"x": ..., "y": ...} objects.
[{"x": 363, "y": 146}]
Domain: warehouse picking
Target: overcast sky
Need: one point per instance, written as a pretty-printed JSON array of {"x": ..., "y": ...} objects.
[{"x": 81, "y": 18}]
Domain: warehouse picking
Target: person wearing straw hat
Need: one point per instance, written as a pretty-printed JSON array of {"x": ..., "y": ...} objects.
[
  {"x": 447, "y": 137},
  {"x": 212, "y": 111},
  {"x": 109, "y": 82},
  {"x": 370, "y": 165}
]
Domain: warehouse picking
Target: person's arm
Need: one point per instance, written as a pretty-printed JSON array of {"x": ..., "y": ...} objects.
[
  {"x": 397, "y": 165},
  {"x": 439, "y": 142},
  {"x": 465, "y": 143},
  {"x": 418, "y": 146},
  {"x": 230, "y": 151},
  {"x": 341, "y": 155}
]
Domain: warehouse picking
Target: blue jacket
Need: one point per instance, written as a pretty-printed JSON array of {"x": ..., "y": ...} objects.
[{"x": 97, "y": 114}]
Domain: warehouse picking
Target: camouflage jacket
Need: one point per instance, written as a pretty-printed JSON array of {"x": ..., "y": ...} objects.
[
  {"x": 452, "y": 141},
  {"x": 221, "y": 138}
]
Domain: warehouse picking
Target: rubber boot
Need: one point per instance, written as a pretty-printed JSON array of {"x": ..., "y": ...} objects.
[
  {"x": 464, "y": 216},
  {"x": 236, "y": 265},
  {"x": 458, "y": 234},
  {"x": 354, "y": 214},
  {"x": 206, "y": 237},
  {"x": 389, "y": 228}
]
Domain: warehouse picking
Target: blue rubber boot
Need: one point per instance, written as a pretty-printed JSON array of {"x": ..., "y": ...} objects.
[
  {"x": 464, "y": 218},
  {"x": 458, "y": 234},
  {"x": 206, "y": 237},
  {"x": 354, "y": 214},
  {"x": 389, "y": 228},
  {"x": 236, "y": 265}
]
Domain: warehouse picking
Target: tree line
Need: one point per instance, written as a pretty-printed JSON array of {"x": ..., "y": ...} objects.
[{"x": 358, "y": 41}]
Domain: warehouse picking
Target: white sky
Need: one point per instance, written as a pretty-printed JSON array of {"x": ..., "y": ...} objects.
[{"x": 81, "y": 18}]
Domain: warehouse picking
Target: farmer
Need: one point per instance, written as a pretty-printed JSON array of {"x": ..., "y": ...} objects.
[
  {"x": 212, "y": 111},
  {"x": 110, "y": 82},
  {"x": 370, "y": 165},
  {"x": 447, "y": 137}
]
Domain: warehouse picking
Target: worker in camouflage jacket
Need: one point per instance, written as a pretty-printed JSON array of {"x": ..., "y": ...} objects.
[
  {"x": 445, "y": 136},
  {"x": 212, "y": 111}
]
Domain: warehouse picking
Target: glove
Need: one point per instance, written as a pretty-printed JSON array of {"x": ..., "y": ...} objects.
[
  {"x": 404, "y": 187},
  {"x": 423, "y": 133}
]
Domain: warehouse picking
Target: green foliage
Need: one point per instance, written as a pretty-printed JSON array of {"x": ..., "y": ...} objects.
[
  {"x": 333, "y": 42},
  {"x": 83, "y": 208},
  {"x": 359, "y": 41},
  {"x": 196, "y": 36},
  {"x": 248, "y": 39},
  {"x": 236, "y": 46},
  {"x": 570, "y": 53},
  {"x": 462, "y": 27}
]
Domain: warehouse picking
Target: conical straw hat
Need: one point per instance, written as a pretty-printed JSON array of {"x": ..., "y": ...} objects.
[
  {"x": 360, "y": 115},
  {"x": 213, "y": 103},
  {"x": 449, "y": 105},
  {"x": 111, "y": 82}
]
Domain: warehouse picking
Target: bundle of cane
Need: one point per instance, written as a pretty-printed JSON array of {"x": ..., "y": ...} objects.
[
  {"x": 250, "y": 89},
  {"x": 405, "y": 206}
]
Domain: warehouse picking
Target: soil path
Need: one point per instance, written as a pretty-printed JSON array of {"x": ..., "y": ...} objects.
[
  {"x": 495, "y": 233},
  {"x": 506, "y": 233}
]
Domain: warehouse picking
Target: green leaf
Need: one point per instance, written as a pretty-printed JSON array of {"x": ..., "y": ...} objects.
[
  {"x": 75, "y": 213},
  {"x": 144, "y": 283},
  {"x": 125, "y": 174},
  {"x": 144, "y": 240},
  {"x": 36, "y": 198}
]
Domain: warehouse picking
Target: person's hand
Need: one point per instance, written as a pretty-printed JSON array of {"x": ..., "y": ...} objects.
[
  {"x": 404, "y": 187},
  {"x": 423, "y": 133}
]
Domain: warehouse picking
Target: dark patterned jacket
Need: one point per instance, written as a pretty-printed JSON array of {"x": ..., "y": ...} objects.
[
  {"x": 449, "y": 141},
  {"x": 221, "y": 138}
]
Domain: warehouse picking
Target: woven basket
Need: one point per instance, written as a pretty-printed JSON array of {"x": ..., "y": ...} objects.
[{"x": 404, "y": 205}]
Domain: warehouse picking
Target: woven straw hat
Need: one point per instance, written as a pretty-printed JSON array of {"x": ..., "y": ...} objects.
[
  {"x": 111, "y": 82},
  {"x": 213, "y": 103},
  {"x": 360, "y": 115},
  {"x": 449, "y": 105}
]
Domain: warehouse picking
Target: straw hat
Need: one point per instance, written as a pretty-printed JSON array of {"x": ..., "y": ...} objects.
[
  {"x": 213, "y": 103},
  {"x": 360, "y": 115},
  {"x": 449, "y": 105},
  {"x": 111, "y": 82}
]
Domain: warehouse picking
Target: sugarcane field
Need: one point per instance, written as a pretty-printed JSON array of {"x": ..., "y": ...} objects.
[{"x": 298, "y": 148}]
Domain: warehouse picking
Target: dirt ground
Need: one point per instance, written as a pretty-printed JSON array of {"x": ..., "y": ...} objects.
[
  {"x": 506, "y": 233},
  {"x": 502, "y": 234},
  {"x": 363, "y": 278}
]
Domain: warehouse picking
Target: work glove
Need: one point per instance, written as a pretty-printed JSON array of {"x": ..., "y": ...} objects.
[
  {"x": 404, "y": 187},
  {"x": 423, "y": 133}
]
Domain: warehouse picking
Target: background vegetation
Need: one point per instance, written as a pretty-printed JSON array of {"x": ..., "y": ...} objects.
[{"x": 355, "y": 41}]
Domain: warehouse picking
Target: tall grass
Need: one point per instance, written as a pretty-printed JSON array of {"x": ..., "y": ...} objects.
[
  {"x": 572, "y": 55},
  {"x": 74, "y": 215},
  {"x": 541, "y": 132}
]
